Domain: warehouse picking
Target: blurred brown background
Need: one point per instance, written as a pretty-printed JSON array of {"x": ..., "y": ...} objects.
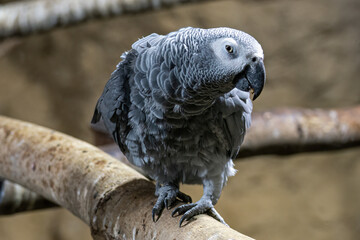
[{"x": 312, "y": 56}]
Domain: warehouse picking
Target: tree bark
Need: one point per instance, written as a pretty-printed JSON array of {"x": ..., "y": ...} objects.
[
  {"x": 290, "y": 131},
  {"x": 27, "y": 17},
  {"x": 112, "y": 198}
]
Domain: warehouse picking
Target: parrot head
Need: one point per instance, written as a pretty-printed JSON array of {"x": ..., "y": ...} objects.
[{"x": 235, "y": 58}]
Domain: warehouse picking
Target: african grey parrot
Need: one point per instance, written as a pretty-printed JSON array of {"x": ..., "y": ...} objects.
[{"x": 178, "y": 106}]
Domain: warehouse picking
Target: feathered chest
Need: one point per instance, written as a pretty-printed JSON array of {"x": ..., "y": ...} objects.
[
  {"x": 166, "y": 133},
  {"x": 200, "y": 144}
]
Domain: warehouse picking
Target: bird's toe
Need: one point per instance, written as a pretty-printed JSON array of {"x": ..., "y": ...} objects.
[
  {"x": 157, "y": 209},
  {"x": 169, "y": 201},
  {"x": 182, "y": 209},
  {"x": 192, "y": 209},
  {"x": 167, "y": 198},
  {"x": 213, "y": 213}
]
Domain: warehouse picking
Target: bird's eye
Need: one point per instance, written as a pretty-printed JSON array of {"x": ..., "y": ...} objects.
[{"x": 229, "y": 49}]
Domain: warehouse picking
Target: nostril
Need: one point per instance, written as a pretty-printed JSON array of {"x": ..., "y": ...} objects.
[{"x": 254, "y": 59}]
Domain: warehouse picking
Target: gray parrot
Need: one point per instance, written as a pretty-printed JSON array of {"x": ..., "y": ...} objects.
[{"x": 178, "y": 106}]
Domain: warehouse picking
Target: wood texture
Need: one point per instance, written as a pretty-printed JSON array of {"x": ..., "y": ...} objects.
[{"x": 112, "y": 198}]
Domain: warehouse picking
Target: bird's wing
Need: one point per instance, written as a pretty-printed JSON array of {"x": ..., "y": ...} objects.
[
  {"x": 113, "y": 105},
  {"x": 236, "y": 107}
]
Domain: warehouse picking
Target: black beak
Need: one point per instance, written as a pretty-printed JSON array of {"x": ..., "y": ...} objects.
[{"x": 252, "y": 77}]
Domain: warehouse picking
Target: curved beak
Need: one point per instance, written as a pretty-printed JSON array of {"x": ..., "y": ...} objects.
[{"x": 252, "y": 78}]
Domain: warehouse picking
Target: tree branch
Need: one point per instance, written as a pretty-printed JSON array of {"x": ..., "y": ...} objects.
[
  {"x": 113, "y": 199},
  {"x": 23, "y": 18},
  {"x": 15, "y": 198},
  {"x": 289, "y": 131}
]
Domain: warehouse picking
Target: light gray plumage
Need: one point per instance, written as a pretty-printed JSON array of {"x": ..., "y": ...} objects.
[{"x": 178, "y": 106}]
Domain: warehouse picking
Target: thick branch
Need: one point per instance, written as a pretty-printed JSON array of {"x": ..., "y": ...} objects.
[
  {"x": 22, "y": 18},
  {"x": 109, "y": 196},
  {"x": 14, "y": 198}
]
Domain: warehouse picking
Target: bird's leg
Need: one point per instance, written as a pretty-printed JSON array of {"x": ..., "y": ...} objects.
[
  {"x": 212, "y": 191},
  {"x": 167, "y": 195}
]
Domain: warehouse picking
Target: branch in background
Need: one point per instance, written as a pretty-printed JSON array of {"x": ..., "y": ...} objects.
[
  {"x": 113, "y": 199},
  {"x": 288, "y": 131},
  {"x": 15, "y": 198},
  {"x": 26, "y": 17}
]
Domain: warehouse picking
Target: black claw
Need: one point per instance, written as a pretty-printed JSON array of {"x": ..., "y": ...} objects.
[
  {"x": 153, "y": 216},
  {"x": 185, "y": 217},
  {"x": 156, "y": 213},
  {"x": 166, "y": 202},
  {"x": 182, "y": 220},
  {"x": 174, "y": 212}
]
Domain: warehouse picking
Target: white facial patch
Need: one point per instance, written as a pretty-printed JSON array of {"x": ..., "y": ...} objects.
[{"x": 218, "y": 47}]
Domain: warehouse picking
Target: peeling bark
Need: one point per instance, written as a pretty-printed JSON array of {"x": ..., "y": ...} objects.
[{"x": 112, "y": 198}]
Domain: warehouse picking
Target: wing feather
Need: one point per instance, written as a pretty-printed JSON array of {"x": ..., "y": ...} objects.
[{"x": 113, "y": 105}]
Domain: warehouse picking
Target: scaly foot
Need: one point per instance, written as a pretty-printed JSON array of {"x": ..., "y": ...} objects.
[
  {"x": 193, "y": 209},
  {"x": 167, "y": 196}
]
